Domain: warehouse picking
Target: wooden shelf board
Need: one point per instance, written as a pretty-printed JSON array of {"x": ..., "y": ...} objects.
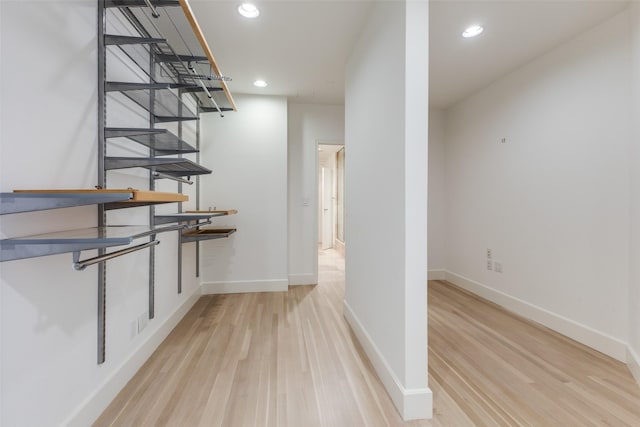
[
  {"x": 138, "y": 195},
  {"x": 156, "y": 196},
  {"x": 38, "y": 200},
  {"x": 76, "y": 191},
  {"x": 206, "y": 234}
]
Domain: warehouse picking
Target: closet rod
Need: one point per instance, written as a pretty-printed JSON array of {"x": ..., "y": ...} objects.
[
  {"x": 196, "y": 225},
  {"x": 192, "y": 68},
  {"x": 81, "y": 265},
  {"x": 186, "y": 8},
  {"x": 175, "y": 178},
  {"x": 154, "y": 11}
]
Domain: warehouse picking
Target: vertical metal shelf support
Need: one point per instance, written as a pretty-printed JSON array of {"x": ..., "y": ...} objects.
[
  {"x": 102, "y": 179},
  {"x": 152, "y": 187},
  {"x": 156, "y": 56},
  {"x": 180, "y": 93},
  {"x": 197, "y": 186}
]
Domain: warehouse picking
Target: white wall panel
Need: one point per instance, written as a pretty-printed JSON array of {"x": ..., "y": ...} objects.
[{"x": 552, "y": 201}]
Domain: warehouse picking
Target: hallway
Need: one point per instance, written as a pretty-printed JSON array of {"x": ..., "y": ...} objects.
[{"x": 263, "y": 359}]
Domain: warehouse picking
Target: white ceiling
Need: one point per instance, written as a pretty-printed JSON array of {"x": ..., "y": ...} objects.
[
  {"x": 300, "y": 47},
  {"x": 515, "y": 33}
]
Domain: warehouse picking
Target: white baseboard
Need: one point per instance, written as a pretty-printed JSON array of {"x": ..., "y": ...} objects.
[
  {"x": 412, "y": 404},
  {"x": 606, "y": 344},
  {"x": 436, "y": 275},
  {"x": 633, "y": 362},
  {"x": 93, "y": 406},
  {"x": 240, "y": 287},
  {"x": 302, "y": 279}
]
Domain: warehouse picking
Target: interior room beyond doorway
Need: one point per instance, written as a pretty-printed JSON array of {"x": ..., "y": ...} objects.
[{"x": 331, "y": 157}]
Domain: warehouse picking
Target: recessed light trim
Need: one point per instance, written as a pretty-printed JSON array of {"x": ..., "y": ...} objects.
[
  {"x": 260, "y": 83},
  {"x": 248, "y": 10},
  {"x": 472, "y": 31}
]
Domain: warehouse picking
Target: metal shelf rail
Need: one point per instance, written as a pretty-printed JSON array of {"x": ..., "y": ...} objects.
[
  {"x": 75, "y": 241},
  {"x": 206, "y": 234},
  {"x": 161, "y": 141},
  {"x": 36, "y": 201}
]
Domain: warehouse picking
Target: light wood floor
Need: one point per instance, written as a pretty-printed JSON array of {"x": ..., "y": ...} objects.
[
  {"x": 488, "y": 367},
  {"x": 289, "y": 359}
]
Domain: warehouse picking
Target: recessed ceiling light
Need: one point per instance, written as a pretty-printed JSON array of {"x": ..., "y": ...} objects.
[
  {"x": 260, "y": 83},
  {"x": 472, "y": 31},
  {"x": 248, "y": 10}
]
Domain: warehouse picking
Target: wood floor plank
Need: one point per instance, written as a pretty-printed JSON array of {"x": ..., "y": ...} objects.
[
  {"x": 289, "y": 359},
  {"x": 560, "y": 383}
]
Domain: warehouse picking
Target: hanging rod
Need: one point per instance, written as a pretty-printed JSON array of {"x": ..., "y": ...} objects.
[
  {"x": 192, "y": 68},
  {"x": 211, "y": 77},
  {"x": 197, "y": 224},
  {"x": 81, "y": 265},
  {"x": 175, "y": 178},
  {"x": 154, "y": 11},
  {"x": 186, "y": 8}
]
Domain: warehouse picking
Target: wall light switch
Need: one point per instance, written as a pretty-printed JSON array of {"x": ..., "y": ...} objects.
[{"x": 489, "y": 264}]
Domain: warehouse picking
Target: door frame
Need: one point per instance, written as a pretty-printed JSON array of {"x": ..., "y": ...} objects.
[
  {"x": 326, "y": 220},
  {"x": 316, "y": 197}
]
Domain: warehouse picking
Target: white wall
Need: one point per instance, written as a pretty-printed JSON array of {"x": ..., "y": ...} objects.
[
  {"x": 48, "y": 310},
  {"x": 308, "y": 124},
  {"x": 247, "y": 151},
  {"x": 634, "y": 254},
  {"x": 386, "y": 191},
  {"x": 553, "y": 201},
  {"x": 436, "y": 213}
]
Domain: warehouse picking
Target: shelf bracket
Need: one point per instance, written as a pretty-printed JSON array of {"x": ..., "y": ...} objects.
[
  {"x": 192, "y": 68},
  {"x": 197, "y": 224},
  {"x": 160, "y": 175},
  {"x": 80, "y": 265},
  {"x": 154, "y": 11}
]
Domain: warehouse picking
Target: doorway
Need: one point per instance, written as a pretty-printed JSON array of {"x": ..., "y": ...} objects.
[{"x": 331, "y": 201}]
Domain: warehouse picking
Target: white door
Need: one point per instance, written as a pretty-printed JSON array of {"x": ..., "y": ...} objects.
[{"x": 327, "y": 208}]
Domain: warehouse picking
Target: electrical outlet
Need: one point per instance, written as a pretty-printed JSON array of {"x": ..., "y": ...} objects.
[
  {"x": 143, "y": 321},
  {"x": 497, "y": 266},
  {"x": 488, "y": 253},
  {"x": 489, "y": 264}
]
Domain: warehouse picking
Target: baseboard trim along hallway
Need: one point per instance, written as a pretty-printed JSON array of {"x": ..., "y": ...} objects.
[
  {"x": 241, "y": 287},
  {"x": 412, "y": 404},
  {"x": 97, "y": 402},
  {"x": 436, "y": 275},
  {"x": 302, "y": 279},
  {"x": 583, "y": 334}
]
